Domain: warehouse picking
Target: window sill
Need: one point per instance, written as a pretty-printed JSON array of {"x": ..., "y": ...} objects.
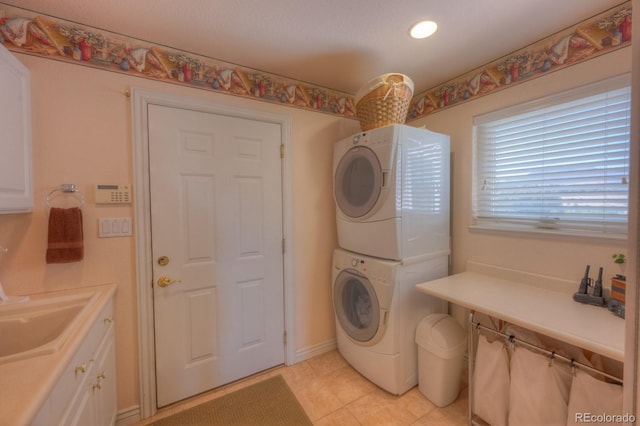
[{"x": 529, "y": 232}]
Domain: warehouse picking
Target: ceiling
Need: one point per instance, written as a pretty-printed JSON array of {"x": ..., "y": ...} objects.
[{"x": 338, "y": 44}]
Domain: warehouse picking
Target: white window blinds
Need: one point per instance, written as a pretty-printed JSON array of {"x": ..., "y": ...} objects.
[{"x": 560, "y": 164}]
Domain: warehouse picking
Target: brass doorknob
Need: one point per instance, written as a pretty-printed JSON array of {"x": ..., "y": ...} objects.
[{"x": 165, "y": 281}]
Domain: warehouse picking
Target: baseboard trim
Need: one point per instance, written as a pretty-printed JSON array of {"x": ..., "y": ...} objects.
[
  {"x": 315, "y": 350},
  {"x": 128, "y": 416}
]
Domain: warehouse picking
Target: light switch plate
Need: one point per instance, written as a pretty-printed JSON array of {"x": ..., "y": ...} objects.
[{"x": 109, "y": 227}]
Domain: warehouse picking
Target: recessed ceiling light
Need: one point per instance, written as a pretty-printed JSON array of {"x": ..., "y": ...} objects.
[{"x": 423, "y": 29}]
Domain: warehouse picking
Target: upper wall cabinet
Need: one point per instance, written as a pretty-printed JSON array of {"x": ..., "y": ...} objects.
[{"x": 16, "y": 186}]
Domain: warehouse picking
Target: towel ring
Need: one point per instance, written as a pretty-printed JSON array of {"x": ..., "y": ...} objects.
[{"x": 65, "y": 188}]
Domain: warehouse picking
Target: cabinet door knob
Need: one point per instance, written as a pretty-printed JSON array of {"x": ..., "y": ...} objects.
[{"x": 80, "y": 368}]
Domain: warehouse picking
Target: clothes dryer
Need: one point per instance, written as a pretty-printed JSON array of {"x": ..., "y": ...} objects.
[
  {"x": 391, "y": 188},
  {"x": 378, "y": 309}
]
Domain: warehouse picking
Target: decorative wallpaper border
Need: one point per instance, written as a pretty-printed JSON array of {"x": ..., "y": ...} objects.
[
  {"x": 604, "y": 33},
  {"x": 28, "y": 32},
  {"x": 25, "y": 31}
]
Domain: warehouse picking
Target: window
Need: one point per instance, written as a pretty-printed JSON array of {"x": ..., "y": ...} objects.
[{"x": 556, "y": 165}]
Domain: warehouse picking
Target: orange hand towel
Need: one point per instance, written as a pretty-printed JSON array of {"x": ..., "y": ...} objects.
[{"x": 65, "y": 242}]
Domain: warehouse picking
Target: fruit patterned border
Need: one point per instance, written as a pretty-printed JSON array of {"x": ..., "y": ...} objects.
[
  {"x": 28, "y": 32},
  {"x": 604, "y": 33},
  {"x": 31, "y": 33}
]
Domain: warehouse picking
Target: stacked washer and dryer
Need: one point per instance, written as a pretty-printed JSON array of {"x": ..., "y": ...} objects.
[{"x": 391, "y": 187}]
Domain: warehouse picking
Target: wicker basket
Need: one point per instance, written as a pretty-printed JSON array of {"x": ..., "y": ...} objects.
[{"x": 383, "y": 101}]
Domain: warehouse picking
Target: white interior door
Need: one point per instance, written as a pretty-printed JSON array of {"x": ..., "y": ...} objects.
[{"x": 216, "y": 221}]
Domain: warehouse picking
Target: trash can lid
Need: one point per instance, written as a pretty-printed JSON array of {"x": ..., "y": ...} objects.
[{"x": 442, "y": 335}]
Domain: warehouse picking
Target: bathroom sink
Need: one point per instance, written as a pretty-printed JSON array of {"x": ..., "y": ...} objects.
[{"x": 40, "y": 326}]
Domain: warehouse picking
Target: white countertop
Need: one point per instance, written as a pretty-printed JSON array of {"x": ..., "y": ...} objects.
[
  {"x": 25, "y": 384},
  {"x": 552, "y": 313}
]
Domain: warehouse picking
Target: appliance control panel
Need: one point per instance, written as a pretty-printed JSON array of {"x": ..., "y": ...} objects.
[
  {"x": 355, "y": 262},
  {"x": 372, "y": 271}
]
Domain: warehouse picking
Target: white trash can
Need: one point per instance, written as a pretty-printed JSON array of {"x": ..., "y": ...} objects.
[{"x": 441, "y": 346}]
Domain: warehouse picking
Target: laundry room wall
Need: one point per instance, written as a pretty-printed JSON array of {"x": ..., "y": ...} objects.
[
  {"x": 82, "y": 135},
  {"x": 559, "y": 257}
]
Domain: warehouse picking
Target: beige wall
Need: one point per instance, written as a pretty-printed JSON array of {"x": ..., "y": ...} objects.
[
  {"x": 82, "y": 135},
  {"x": 564, "y": 258}
]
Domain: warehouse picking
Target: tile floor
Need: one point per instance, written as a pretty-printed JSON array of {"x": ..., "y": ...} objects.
[{"x": 333, "y": 393}]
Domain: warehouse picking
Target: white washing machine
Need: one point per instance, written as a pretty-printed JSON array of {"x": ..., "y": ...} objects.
[
  {"x": 391, "y": 188},
  {"x": 377, "y": 311}
]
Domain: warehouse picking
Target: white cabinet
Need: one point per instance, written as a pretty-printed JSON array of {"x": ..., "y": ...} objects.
[
  {"x": 16, "y": 187},
  {"x": 103, "y": 387},
  {"x": 85, "y": 394},
  {"x": 95, "y": 403}
]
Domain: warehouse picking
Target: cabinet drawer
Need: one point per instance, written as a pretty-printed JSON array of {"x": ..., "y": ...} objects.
[
  {"x": 95, "y": 401},
  {"x": 74, "y": 375},
  {"x": 82, "y": 364},
  {"x": 104, "y": 323}
]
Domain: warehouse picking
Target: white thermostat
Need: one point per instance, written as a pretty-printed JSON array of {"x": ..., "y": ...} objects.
[{"x": 113, "y": 194}]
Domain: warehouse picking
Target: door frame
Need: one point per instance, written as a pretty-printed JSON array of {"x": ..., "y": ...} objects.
[{"x": 140, "y": 99}]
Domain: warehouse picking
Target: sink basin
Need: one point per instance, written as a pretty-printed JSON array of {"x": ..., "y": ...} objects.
[{"x": 40, "y": 326}]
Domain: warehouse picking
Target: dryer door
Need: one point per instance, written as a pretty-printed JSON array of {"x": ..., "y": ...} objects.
[
  {"x": 358, "y": 181},
  {"x": 356, "y": 305}
]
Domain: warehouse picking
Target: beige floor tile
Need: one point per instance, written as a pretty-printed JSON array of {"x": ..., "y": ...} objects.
[
  {"x": 341, "y": 417},
  {"x": 416, "y": 403},
  {"x": 297, "y": 371},
  {"x": 440, "y": 418},
  {"x": 348, "y": 385},
  {"x": 381, "y": 408},
  {"x": 455, "y": 414},
  {"x": 328, "y": 362},
  {"x": 333, "y": 393},
  {"x": 315, "y": 396}
]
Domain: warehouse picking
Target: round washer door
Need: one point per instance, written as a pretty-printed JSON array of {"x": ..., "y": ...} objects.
[
  {"x": 356, "y": 305},
  {"x": 358, "y": 182}
]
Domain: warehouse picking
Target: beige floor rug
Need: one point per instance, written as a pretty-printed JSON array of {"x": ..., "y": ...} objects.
[{"x": 269, "y": 402}]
